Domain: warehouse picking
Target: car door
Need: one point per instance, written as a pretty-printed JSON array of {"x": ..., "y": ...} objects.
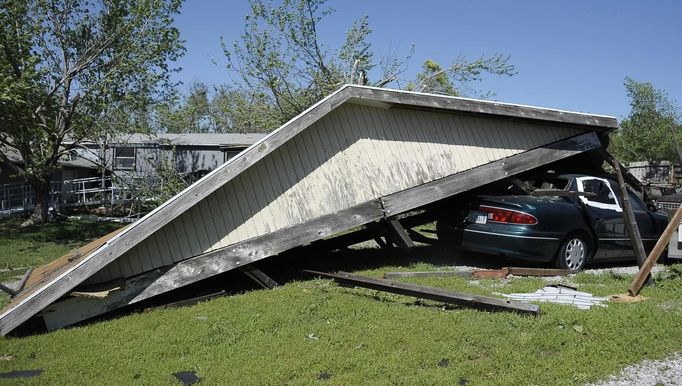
[
  {"x": 645, "y": 222},
  {"x": 606, "y": 216}
]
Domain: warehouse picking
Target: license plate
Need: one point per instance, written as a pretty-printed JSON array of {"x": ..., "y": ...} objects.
[{"x": 481, "y": 219}]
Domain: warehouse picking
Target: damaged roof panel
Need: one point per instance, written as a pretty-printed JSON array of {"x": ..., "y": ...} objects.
[{"x": 354, "y": 147}]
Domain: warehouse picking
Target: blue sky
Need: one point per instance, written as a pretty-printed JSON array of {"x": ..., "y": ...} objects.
[{"x": 571, "y": 55}]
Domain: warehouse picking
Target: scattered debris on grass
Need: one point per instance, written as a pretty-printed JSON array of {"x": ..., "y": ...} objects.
[
  {"x": 562, "y": 295},
  {"x": 324, "y": 376},
  {"x": 187, "y": 377},
  {"x": 20, "y": 374},
  {"x": 7, "y": 357},
  {"x": 429, "y": 293},
  {"x": 626, "y": 298}
]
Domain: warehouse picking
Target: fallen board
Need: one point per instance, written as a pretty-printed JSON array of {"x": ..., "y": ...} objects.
[{"x": 430, "y": 293}]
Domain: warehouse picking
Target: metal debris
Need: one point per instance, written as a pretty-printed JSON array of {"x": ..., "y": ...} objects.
[{"x": 561, "y": 295}]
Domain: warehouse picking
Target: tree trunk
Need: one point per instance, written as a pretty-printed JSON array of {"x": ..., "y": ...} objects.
[{"x": 41, "y": 192}]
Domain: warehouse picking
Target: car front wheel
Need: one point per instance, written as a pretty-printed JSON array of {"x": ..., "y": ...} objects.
[{"x": 573, "y": 253}]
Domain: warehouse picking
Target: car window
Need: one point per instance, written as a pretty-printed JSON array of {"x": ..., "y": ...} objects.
[{"x": 604, "y": 196}]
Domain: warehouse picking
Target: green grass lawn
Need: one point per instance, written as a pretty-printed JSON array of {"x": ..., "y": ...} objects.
[{"x": 308, "y": 332}]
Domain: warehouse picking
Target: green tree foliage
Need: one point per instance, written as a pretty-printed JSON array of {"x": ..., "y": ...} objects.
[
  {"x": 281, "y": 58},
  {"x": 218, "y": 110},
  {"x": 74, "y": 69},
  {"x": 456, "y": 78},
  {"x": 650, "y": 131}
]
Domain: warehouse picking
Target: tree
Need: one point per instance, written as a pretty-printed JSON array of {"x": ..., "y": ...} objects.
[
  {"x": 222, "y": 109},
  {"x": 650, "y": 131},
  {"x": 280, "y": 56},
  {"x": 74, "y": 69},
  {"x": 455, "y": 79}
]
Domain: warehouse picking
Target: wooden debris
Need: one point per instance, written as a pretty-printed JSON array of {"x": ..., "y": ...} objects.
[
  {"x": 430, "y": 293},
  {"x": 94, "y": 295},
  {"x": 400, "y": 275},
  {"x": 188, "y": 302},
  {"x": 258, "y": 276},
  {"x": 398, "y": 234},
  {"x": 655, "y": 253},
  {"x": 523, "y": 271},
  {"x": 626, "y": 298}
]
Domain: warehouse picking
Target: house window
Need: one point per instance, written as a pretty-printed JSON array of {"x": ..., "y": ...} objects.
[{"x": 124, "y": 158}]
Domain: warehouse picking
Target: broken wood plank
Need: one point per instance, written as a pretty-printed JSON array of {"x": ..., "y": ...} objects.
[
  {"x": 523, "y": 271},
  {"x": 9, "y": 291},
  {"x": 490, "y": 273},
  {"x": 445, "y": 187},
  {"x": 472, "y": 106},
  {"x": 430, "y": 293},
  {"x": 76, "y": 309},
  {"x": 628, "y": 214},
  {"x": 398, "y": 234},
  {"x": 259, "y": 276},
  {"x": 418, "y": 237},
  {"x": 245, "y": 252},
  {"x": 655, "y": 253},
  {"x": 188, "y": 302},
  {"x": 401, "y": 275}
]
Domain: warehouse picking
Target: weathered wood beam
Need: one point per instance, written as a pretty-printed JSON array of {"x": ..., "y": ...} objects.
[
  {"x": 473, "y": 106},
  {"x": 655, "y": 254},
  {"x": 245, "y": 252},
  {"x": 398, "y": 234},
  {"x": 259, "y": 276},
  {"x": 403, "y": 275},
  {"x": 77, "y": 309},
  {"x": 418, "y": 237},
  {"x": 628, "y": 214},
  {"x": 430, "y": 293},
  {"x": 427, "y": 193}
]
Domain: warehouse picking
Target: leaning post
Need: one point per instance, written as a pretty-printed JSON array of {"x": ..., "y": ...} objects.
[{"x": 629, "y": 216}]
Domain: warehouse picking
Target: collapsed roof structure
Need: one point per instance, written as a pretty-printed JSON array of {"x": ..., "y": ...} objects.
[{"x": 358, "y": 156}]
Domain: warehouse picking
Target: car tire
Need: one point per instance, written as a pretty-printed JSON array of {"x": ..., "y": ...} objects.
[{"x": 573, "y": 253}]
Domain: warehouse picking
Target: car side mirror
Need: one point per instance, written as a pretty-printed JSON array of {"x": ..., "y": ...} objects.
[{"x": 651, "y": 207}]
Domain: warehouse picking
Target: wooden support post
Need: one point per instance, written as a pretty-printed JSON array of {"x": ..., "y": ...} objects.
[
  {"x": 259, "y": 276},
  {"x": 398, "y": 234},
  {"x": 418, "y": 237},
  {"x": 661, "y": 244},
  {"x": 430, "y": 293},
  {"x": 381, "y": 243},
  {"x": 628, "y": 215}
]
